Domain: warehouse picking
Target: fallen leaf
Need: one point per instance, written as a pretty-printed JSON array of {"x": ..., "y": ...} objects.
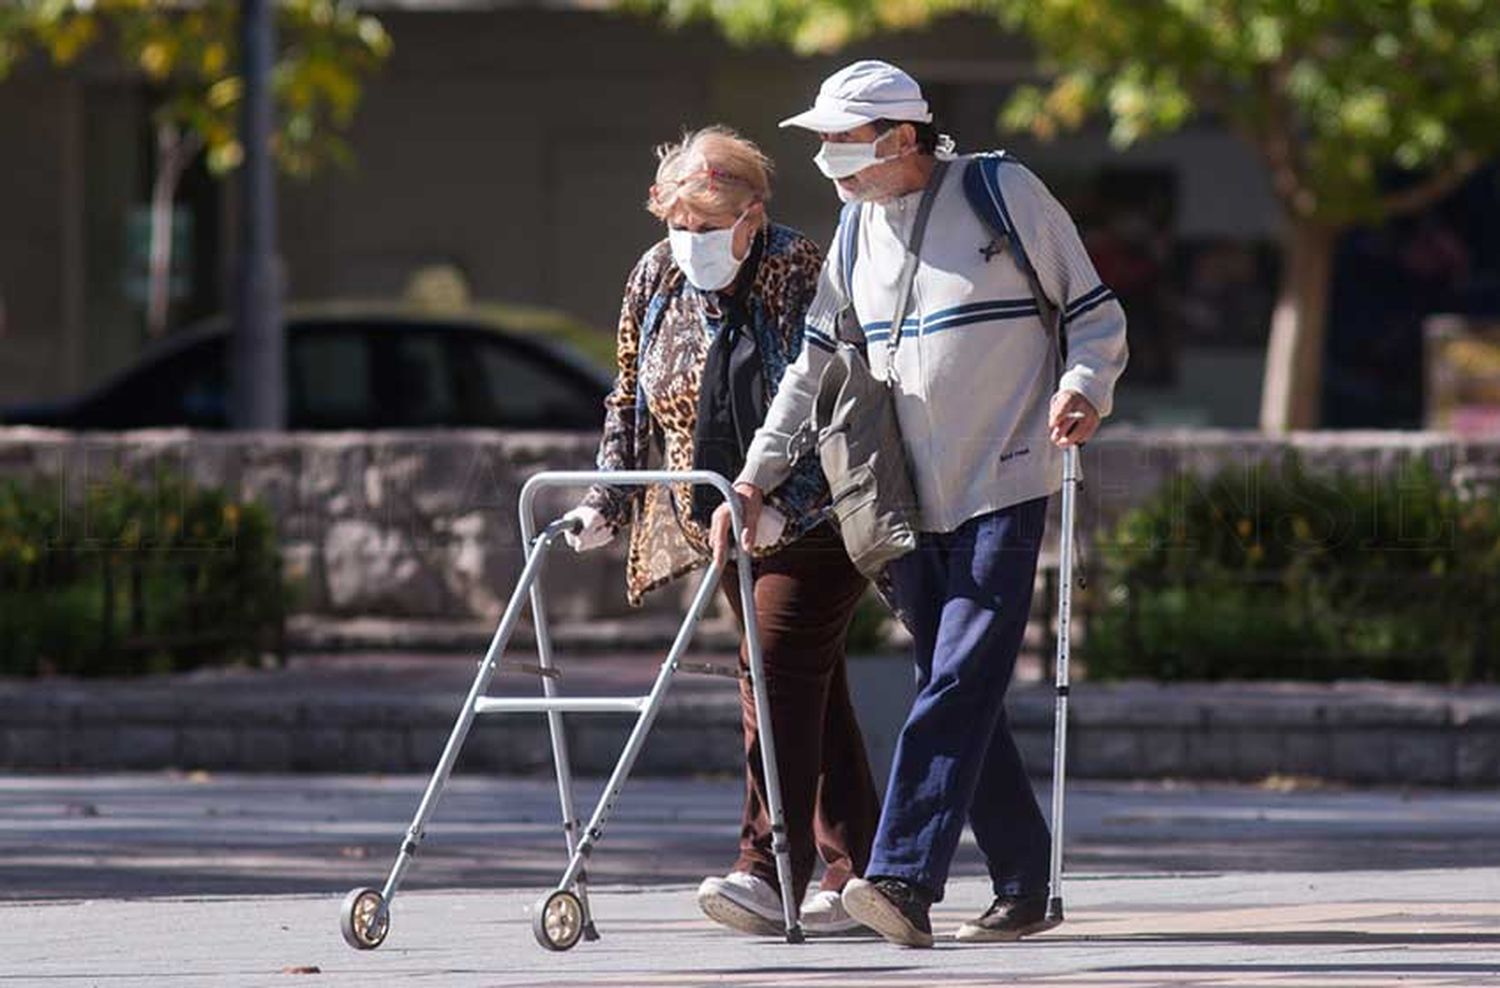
[{"x": 1278, "y": 782}]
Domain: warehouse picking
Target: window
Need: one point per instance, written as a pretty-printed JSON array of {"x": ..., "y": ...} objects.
[
  {"x": 513, "y": 387},
  {"x": 424, "y": 392},
  {"x": 330, "y": 384},
  {"x": 187, "y": 388}
]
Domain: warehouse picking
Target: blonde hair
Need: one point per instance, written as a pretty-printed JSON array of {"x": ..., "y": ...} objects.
[{"x": 712, "y": 172}]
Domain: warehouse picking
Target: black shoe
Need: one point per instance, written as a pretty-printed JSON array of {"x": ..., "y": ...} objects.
[
  {"x": 895, "y": 909},
  {"x": 1009, "y": 918}
]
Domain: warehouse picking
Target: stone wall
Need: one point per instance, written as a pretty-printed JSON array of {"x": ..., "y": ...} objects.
[
  {"x": 400, "y": 525},
  {"x": 423, "y": 525}
]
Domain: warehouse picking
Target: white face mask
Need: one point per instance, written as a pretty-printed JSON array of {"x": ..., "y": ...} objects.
[
  {"x": 706, "y": 258},
  {"x": 840, "y": 160}
]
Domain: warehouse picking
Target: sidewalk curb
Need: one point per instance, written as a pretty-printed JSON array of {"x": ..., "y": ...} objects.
[{"x": 350, "y": 719}]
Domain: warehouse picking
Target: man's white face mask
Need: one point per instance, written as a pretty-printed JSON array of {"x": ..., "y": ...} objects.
[
  {"x": 707, "y": 257},
  {"x": 842, "y": 159}
]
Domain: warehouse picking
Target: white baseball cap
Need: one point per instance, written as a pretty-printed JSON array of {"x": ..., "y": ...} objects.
[{"x": 861, "y": 93}]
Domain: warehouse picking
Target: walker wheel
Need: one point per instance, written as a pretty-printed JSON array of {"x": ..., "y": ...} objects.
[
  {"x": 364, "y": 919},
  {"x": 557, "y": 920}
]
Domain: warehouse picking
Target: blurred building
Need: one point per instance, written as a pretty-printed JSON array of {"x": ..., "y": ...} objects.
[{"x": 512, "y": 143}]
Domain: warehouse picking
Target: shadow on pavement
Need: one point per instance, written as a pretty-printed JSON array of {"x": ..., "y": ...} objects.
[{"x": 1291, "y": 938}]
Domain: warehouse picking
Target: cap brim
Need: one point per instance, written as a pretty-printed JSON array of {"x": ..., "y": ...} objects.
[{"x": 826, "y": 120}]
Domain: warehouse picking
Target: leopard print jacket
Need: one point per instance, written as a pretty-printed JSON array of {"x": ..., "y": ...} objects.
[{"x": 652, "y": 410}]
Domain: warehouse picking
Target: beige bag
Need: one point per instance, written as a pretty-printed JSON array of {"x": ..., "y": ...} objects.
[
  {"x": 859, "y": 444},
  {"x": 859, "y": 436}
]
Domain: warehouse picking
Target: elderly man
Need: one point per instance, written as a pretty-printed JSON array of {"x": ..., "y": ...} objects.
[{"x": 984, "y": 414}]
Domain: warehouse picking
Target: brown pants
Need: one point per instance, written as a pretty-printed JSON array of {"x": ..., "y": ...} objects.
[{"x": 804, "y": 597}]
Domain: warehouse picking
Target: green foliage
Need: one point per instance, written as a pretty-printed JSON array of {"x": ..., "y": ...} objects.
[
  {"x": 1333, "y": 93},
  {"x": 133, "y": 578},
  {"x": 190, "y": 53},
  {"x": 808, "y": 26},
  {"x": 1288, "y": 573}
]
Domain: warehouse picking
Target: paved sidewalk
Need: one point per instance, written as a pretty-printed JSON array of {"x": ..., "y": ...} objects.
[
  {"x": 117, "y": 836},
  {"x": 1167, "y": 885},
  {"x": 1351, "y": 930},
  {"x": 393, "y": 712}
]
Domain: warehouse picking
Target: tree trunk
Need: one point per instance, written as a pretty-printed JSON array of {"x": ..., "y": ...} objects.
[
  {"x": 173, "y": 154},
  {"x": 1291, "y": 396}
]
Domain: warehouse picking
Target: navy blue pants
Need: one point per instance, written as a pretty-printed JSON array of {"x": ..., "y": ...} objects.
[{"x": 966, "y": 595}]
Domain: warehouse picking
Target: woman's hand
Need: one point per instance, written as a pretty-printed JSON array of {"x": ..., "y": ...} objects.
[{"x": 594, "y": 532}]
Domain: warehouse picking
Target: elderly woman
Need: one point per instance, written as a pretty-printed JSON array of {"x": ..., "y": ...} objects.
[{"x": 713, "y": 314}]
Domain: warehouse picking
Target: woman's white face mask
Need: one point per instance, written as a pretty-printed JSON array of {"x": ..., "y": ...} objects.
[
  {"x": 707, "y": 257},
  {"x": 842, "y": 159}
]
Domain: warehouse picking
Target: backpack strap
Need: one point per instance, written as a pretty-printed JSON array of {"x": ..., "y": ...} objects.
[
  {"x": 847, "y": 239},
  {"x": 987, "y": 199}
]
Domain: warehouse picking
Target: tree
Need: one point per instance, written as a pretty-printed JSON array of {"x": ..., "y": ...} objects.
[
  {"x": 189, "y": 53},
  {"x": 1362, "y": 110}
]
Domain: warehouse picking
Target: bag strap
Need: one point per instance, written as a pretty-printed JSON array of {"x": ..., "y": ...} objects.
[
  {"x": 982, "y": 186},
  {"x": 847, "y": 240},
  {"x": 914, "y": 256}
]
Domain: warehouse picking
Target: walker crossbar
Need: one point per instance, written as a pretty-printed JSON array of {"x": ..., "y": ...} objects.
[{"x": 563, "y": 917}]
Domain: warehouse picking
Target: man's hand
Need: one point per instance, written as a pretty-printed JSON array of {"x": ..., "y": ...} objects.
[
  {"x": 751, "y": 500},
  {"x": 1072, "y": 419}
]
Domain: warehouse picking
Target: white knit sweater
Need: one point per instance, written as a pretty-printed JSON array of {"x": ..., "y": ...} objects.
[{"x": 975, "y": 366}]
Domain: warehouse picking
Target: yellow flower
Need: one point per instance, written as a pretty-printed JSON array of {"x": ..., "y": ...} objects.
[
  {"x": 215, "y": 57},
  {"x": 156, "y": 59}
]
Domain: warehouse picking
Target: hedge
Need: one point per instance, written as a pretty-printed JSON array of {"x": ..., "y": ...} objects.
[
  {"x": 1287, "y": 572},
  {"x": 131, "y": 577}
]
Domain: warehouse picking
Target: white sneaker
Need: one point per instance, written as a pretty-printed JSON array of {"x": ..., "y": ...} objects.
[
  {"x": 823, "y": 914},
  {"x": 744, "y": 902}
]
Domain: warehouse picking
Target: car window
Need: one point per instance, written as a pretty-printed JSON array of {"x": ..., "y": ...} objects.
[
  {"x": 513, "y": 387},
  {"x": 329, "y": 386},
  {"x": 424, "y": 383},
  {"x": 186, "y": 388}
]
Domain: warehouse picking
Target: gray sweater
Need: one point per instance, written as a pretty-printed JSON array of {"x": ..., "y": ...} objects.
[{"x": 975, "y": 366}]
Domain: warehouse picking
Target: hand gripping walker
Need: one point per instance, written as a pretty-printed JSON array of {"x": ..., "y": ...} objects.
[{"x": 560, "y": 918}]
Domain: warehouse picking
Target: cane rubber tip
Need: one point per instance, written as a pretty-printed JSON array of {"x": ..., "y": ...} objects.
[
  {"x": 795, "y": 935},
  {"x": 1055, "y": 910},
  {"x": 590, "y": 932}
]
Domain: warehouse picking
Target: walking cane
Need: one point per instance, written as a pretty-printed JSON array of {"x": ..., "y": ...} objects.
[{"x": 1072, "y": 478}]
